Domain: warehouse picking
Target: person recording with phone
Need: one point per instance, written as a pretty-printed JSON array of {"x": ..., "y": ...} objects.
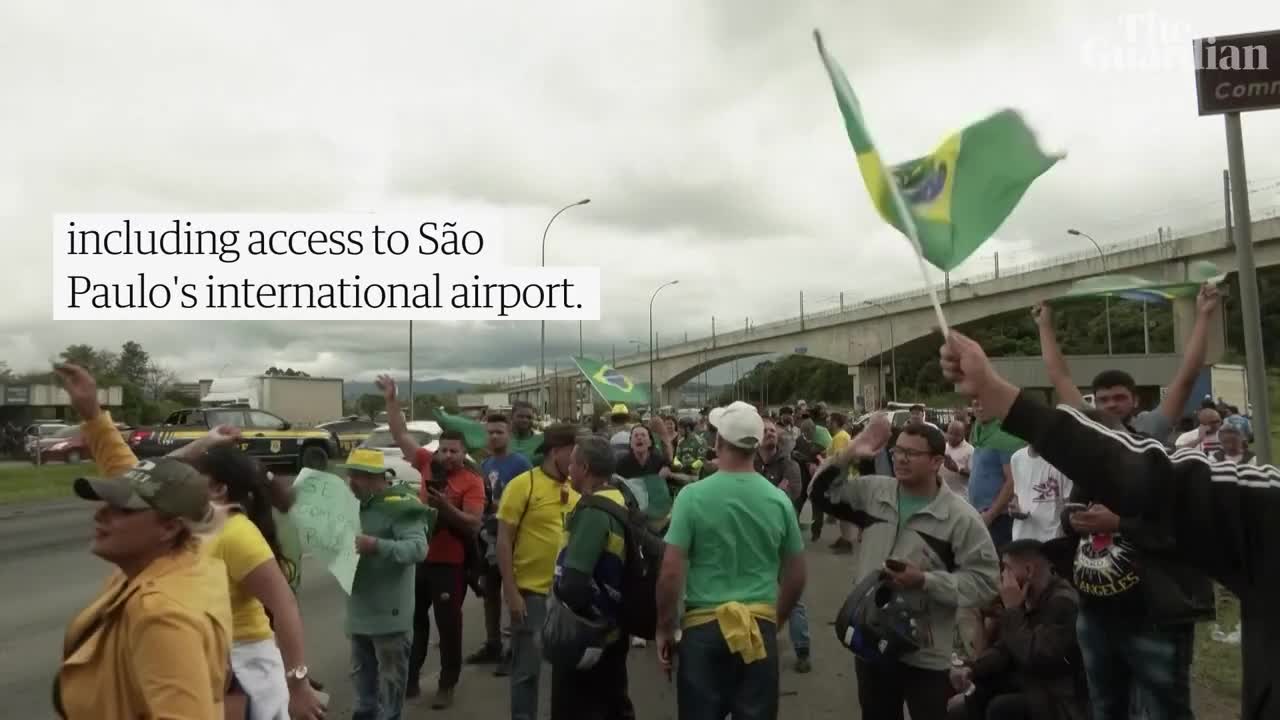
[
  {"x": 457, "y": 494},
  {"x": 924, "y": 545}
]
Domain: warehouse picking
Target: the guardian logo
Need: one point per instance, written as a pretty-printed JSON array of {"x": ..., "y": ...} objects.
[{"x": 1147, "y": 42}]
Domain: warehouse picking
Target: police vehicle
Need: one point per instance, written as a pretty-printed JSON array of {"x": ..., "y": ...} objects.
[{"x": 271, "y": 439}]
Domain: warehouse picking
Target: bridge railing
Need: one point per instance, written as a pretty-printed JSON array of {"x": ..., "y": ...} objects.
[{"x": 866, "y": 307}]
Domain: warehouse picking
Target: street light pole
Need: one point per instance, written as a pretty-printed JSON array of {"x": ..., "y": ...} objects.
[
  {"x": 411, "y": 371},
  {"x": 542, "y": 343},
  {"x": 652, "y": 390},
  {"x": 893, "y": 347},
  {"x": 1107, "y": 299}
]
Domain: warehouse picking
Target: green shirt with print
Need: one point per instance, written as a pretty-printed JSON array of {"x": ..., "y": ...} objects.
[{"x": 735, "y": 529}]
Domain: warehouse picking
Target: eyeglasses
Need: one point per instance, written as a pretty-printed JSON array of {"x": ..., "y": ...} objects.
[{"x": 909, "y": 453}]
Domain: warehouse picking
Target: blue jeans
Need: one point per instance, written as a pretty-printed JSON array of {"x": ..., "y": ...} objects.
[
  {"x": 526, "y": 657},
  {"x": 1001, "y": 530},
  {"x": 713, "y": 682},
  {"x": 379, "y": 671},
  {"x": 1126, "y": 660},
  {"x": 798, "y": 627}
]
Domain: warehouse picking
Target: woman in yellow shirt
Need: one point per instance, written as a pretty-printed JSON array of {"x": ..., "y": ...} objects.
[
  {"x": 154, "y": 642},
  {"x": 269, "y": 671}
]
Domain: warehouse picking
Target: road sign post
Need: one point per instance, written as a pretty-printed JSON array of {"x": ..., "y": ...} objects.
[{"x": 1235, "y": 74}]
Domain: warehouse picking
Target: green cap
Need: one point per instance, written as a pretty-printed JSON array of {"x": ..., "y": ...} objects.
[{"x": 166, "y": 485}]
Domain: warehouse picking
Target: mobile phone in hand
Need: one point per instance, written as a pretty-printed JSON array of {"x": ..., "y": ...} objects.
[
  {"x": 1075, "y": 507},
  {"x": 895, "y": 565}
]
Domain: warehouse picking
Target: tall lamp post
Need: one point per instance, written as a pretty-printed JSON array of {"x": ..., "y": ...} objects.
[
  {"x": 1103, "y": 258},
  {"x": 652, "y": 390},
  {"x": 893, "y": 347},
  {"x": 542, "y": 344}
]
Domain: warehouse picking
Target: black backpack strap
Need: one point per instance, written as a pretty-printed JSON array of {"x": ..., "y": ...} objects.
[{"x": 618, "y": 512}]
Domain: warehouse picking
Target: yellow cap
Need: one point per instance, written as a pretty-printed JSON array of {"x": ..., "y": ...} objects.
[
  {"x": 620, "y": 409},
  {"x": 365, "y": 461}
]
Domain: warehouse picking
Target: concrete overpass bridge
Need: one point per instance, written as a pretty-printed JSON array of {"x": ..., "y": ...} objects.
[{"x": 854, "y": 334}]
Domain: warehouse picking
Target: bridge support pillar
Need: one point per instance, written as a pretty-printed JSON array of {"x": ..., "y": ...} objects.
[
  {"x": 868, "y": 385},
  {"x": 1184, "y": 319}
]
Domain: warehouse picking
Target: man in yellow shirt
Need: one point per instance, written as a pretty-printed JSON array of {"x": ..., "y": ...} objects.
[
  {"x": 839, "y": 439},
  {"x": 531, "y": 531}
]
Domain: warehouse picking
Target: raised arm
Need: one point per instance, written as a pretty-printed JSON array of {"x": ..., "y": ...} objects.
[
  {"x": 110, "y": 452},
  {"x": 1188, "y": 498},
  {"x": 1192, "y": 356},
  {"x": 395, "y": 417},
  {"x": 1054, "y": 362}
]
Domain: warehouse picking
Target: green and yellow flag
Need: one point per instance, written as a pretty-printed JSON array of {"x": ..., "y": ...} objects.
[
  {"x": 950, "y": 201},
  {"x": 1132, "y": 287},
  {"x": 613, "y": 386}
]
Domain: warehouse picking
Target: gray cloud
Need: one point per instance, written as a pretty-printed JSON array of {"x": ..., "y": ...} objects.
[{"x": 706, "y": 136}]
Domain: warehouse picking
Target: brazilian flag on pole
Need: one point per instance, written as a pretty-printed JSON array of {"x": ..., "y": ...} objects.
[
  {"x": 954, "y": 199},
  {"x": 613, "y": 386}
]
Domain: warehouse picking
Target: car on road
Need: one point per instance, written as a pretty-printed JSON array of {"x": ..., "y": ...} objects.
[
  {"x": 68, "y": 445},
  {"x": 268, "y": 437},
  {"x": 42, "y": 435},
  {"x": 350, "y": 431}
]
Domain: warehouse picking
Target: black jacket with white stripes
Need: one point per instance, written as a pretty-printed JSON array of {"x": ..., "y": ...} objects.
[{"x": 1223, "y": 518}]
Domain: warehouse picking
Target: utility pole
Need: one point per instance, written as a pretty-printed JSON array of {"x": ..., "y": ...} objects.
[{"x": 411, "y": 370}]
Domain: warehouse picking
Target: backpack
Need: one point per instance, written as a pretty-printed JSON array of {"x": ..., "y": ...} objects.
[{"x": 638, "y": 615}]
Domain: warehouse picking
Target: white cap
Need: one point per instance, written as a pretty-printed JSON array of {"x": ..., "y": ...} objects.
[{"x": 739, "y": 424}]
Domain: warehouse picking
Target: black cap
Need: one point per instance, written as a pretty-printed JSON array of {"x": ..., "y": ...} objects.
[
  {"x": 558, "y": 436},
  {"x": 786, "y": 410},
  {"x": 1024, "y": 546}
]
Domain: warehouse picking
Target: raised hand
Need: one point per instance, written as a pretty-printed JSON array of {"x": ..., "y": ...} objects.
[
  {"x": 81, "y": 388},
  {"x": 387, "y": 385},
  {"x": 1208, "y": 299}
]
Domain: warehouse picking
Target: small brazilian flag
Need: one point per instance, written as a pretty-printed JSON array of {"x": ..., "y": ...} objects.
[
  {"x": 612, "y": 385},
  {"x": 957, "y": 196},
  {"x": 1132, "y": 287}
]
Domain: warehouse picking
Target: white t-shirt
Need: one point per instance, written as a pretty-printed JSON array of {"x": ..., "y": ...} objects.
[
  {"x": 1041, "y": 491},
  {"x": 1191, "y": 439},
  {"x": 962, "y": 456}
]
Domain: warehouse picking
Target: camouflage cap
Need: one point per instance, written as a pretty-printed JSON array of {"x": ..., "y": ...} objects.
[{"x": 169, "y": 486}]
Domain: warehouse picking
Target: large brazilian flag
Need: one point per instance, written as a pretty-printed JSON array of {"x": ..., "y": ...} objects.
[
  {"x": 955, "y": 197},
  {"x": 612, "y": 385}
]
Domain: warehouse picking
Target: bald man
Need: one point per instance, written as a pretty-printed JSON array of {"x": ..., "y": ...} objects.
[
  {"x": 955, "y": 463},
  {"x": 1205, "y": 437}
]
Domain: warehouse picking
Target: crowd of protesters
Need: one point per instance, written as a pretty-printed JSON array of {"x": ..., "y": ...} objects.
[{"x": 1020, "y": 562}]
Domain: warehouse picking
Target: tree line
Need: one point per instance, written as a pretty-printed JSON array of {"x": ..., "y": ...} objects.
[{"x": 1081, "y": 326}]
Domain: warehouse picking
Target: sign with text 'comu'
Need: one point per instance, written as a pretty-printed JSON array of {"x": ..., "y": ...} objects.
[{"x": 1238, "y": 73}]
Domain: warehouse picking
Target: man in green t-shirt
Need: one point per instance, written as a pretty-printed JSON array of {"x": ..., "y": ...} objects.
[
  {"x": 588, "y": 580},
  {"x": 740, "y": 579}
]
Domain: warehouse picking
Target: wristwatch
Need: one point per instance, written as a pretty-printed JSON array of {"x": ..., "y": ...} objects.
[{"x": 296, "y": 674}]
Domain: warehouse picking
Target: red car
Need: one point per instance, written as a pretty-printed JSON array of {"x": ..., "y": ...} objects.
[{"x": 68, "y": 445}]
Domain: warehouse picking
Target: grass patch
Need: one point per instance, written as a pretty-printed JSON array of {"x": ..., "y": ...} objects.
[
  {"x": 1217, "y": 665},
  {"x": 27, "y": 483}
]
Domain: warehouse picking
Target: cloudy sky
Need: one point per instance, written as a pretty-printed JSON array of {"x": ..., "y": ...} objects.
[{"x": 705, "y": 134}]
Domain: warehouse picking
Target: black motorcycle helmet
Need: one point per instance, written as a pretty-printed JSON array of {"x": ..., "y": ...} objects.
[{"x": 877, "y": 623}]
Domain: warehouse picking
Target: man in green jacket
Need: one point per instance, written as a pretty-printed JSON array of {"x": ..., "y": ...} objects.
[{"x": 394, "y": 526}]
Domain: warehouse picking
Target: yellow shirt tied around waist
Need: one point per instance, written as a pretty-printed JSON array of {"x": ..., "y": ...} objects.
[
  {"x": 738, "y": 625},
  {"x": 241, "y": 547},
  {"x": 536, "y": 505}
]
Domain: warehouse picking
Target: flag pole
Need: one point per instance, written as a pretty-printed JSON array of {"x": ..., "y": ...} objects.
[{"x": 908, "y": 222}]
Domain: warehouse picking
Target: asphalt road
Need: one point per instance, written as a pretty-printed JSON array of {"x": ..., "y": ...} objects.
[{"x": 47, "y": 575}]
